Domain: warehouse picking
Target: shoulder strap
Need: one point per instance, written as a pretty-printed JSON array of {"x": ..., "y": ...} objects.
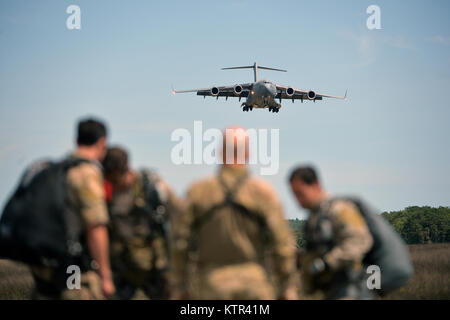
[
  {"x": 150, "y": 191},
  {"x": 230, "y": 201},
  {"x": 230, "y": 192},
  {"x": 152, "y": 199},
  {"x": 76, "y": 245},
  {"x": 71, "y": 162}
]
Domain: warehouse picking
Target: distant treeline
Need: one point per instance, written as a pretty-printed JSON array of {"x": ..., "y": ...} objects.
[{"x": 416, "y": 225}]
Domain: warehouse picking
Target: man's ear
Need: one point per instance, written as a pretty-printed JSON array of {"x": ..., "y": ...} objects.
[
  {"x": 101, "y": 144},
  {"x": 317, "y": 185},
  {"x": 101, "y": 148},
  {"x": 102, "y": 141}
]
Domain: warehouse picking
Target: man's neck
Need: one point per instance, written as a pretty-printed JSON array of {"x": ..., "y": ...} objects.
[
  {"x": 322, "y": 196},
  {"x": 87, "y": 153},
  {"x": 235, "y": 165},
  {"x": 234, "y": 169}
]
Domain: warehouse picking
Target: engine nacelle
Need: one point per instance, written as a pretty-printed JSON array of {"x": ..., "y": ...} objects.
[
  {"x": 311, "y": 95},
  {"x": 237, "y": 89},
  {"x": 290, "y": 92},
  {"x": 214, "y": 91}
]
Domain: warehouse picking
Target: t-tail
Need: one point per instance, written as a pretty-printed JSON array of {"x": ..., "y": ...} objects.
[{"x": 255, "y": 68}]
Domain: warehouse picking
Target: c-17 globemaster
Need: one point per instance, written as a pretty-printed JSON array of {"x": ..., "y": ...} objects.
[{"x": 260, "y": 93}]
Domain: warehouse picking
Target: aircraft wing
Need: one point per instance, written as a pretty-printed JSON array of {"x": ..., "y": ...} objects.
[
  {"x": 224, "y": 91},
  {"x": 300, "y": 94}
]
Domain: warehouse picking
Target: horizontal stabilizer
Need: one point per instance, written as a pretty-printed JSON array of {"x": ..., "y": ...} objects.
[
  {"x": 244, "y": 67},
  {"x": 251, "y": 67},
  {"x": 273, "y": 69},
  {"x": 255, "y": 68}
]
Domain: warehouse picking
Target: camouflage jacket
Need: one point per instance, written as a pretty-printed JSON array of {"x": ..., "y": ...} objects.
[
  {"x": 337, "y": 233},
  {"x": 140, "y": 231},
  {"x": 228, "y": 238}
]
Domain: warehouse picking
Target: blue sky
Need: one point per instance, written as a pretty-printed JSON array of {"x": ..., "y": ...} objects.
[{"x": 387, "y": 143}]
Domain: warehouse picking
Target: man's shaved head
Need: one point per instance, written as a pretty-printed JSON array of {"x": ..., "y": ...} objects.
[{"x": 235, "y": 146}]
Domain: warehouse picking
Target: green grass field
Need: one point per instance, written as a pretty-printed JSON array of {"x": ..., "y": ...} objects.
[{"x": 431, "y": 279}]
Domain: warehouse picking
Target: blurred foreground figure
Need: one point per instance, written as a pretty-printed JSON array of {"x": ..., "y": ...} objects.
[
  {"x": 140, "y": 205},
  {"x": 351, "y": 250},
  {"x": 337, "y": 239},
  {"x": 233, "y": 241},
  {"x": 87, "y": 199},
  {"x": 56, "y": 222}
]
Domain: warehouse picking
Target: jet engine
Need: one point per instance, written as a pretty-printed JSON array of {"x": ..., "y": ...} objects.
[
  {"x": 311, "y": 95},
  {"x": 237, "y": 89},
  {"x": 290, "y": 92},
  {"x": 214, "y": 91}
]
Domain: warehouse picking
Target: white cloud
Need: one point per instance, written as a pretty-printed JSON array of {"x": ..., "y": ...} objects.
[
  {"x": 399, "y": 42},
  {"x": 440, "y": 39},
  {"x": 5, "y": 151},
  {"x": 368, "y": 44}
]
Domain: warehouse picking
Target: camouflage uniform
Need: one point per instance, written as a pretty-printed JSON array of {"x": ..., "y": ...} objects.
[
  {"x": 139, "y": 248},
  {"x": 230, "y": 260},
  {"x": 86, "y": 197},
  {"x": 336, "y": 233}
]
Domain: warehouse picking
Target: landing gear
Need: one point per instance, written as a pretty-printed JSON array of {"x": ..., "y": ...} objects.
[
  {"x": 274, "y": 109},
  {"x": 246, "y": 108}
]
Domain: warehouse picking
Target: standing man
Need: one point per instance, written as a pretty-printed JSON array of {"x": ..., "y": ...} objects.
[
  {"x": 87, "y": 199},
  {"x": 337, "y": 240},
  {"x": 140, "y": 205},
  {"x": 233, "y": 241}
]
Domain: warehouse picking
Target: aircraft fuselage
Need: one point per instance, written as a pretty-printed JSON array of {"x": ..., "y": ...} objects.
[{"x": 262, "y": 95}]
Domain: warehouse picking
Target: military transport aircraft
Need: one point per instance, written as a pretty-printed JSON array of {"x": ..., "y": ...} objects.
[{"x": 261, "y": 93}]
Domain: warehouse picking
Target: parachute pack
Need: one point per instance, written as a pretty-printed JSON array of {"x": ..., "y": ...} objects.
[
  {"x": 36, "y": 226},
  {"x": 389, "y": 252}
]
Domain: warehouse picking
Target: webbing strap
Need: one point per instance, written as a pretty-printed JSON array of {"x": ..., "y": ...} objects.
[
  {"x": 230, "y": 202},
  {"x": 152, "y": 202}
]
